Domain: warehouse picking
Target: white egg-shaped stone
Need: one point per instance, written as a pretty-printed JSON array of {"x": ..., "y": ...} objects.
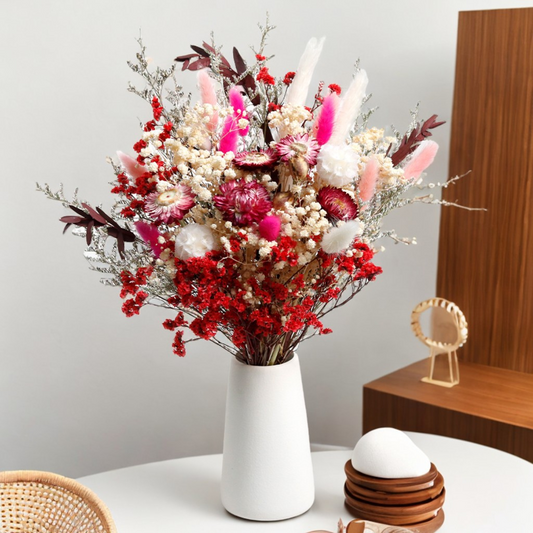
[{"x": 389, "y": 453}]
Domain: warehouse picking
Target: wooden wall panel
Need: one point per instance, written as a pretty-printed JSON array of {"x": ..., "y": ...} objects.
[{"x": 486, "y": 258}]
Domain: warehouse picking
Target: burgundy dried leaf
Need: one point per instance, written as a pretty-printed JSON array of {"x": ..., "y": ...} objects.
[
  {"x": 122, "y": 235},
  {"x": 185, "y": 57},
  {"x": 240, "y": 64},
  {"x": 199, "y": 50},
  {"x": 86, "y": 220},
  {"x": 227, "y": 72},
  {"x": 95, "y": 214},
  {"x": 107, "y": 218},
  {"x": 409, "y": 142},
  {"x": 431, "y": 123},
  {"x": 70, "y": 219},
  {"x": 95, "y": 218},
  {"x": 204, "y": 62},
  {"x": 214, "y": 52},
  {"x": 249, "y": 84},
  {"x": 89, "y": 233},
  {"x": 268, "y": 136},
  {"x": 209, "y": 48},
  {"x": 78, "y": 210}
]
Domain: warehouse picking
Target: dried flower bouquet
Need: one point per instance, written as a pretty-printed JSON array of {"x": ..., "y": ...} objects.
[{"x": 249, "y": 214}]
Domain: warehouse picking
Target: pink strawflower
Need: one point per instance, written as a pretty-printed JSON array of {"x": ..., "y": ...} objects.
[
  {"x": 243, "y": 203},
  {"x": 251, "y": 160},
  {"x": 337, "y": 203},
  {"x": 170, "y": 205},
  {"x": 298, "y": 145},
  {"x": 270, "y": 227}
]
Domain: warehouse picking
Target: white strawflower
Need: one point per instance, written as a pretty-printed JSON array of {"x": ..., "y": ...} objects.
[
  {"x": 194, "y": 240},
  {"x": 337, "y": 165},
  {"x": 339, "y": 238}
]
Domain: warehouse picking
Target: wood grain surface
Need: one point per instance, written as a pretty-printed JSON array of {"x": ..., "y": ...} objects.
[
  {"x": 490, "y": 406},
  {"x": 392, "y": 485},
  {"x": 486, "y": 258},
  {"x": 396, "y": 498}
]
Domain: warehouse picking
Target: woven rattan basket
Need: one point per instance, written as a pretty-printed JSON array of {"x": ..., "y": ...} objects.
[{"x": 42, "y": 502}]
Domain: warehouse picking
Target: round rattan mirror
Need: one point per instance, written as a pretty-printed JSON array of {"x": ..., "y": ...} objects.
[{"x": 449, "y": 331}]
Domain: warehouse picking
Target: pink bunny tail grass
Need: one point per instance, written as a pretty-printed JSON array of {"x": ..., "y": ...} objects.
[
  {"x": 230, "y": 136},
  {"x": 150, "y": 235},
  {"x": 323, "y": 127},
  {"x": 422, "y": 157},
  {"x": 132, "y": 167},
  {"x": 209, "y": 96},
  {"x": 367, "y": 184},
  {"x": 349, "y": 108},
  {"x": 239, "y": 108}
]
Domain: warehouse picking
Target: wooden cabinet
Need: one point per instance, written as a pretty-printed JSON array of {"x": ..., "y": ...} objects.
[{"x": 490, "y": 406}]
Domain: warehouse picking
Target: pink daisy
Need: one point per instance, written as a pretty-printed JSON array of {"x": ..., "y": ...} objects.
[
  {"x": 252, "y": 160},
  {"x": 337, "y": 203},
  {"x": 243, "y": 203},
  {"x": 170, "y": 205},
  {"x": 298, "y": 145}
]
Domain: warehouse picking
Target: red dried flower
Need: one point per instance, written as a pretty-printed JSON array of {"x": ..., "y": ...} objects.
[
  {"x": 287, "y": 80},
  {"x": 127, "y": 212},
  {"x": 150, "y": 125},
  {"x": 265, "y": 77},
  {"x": 156, "y": 108},
  {"x": 178, "y": 346},
  {"x": 273, "y": 107},
  {"x": 204, "y": 328},
  {"x": 138, "y": 146},
  {"x": 178, "y": 322},
  {"x": 334, "y": 88},
  {"x": 259, "y": 57},
  {"x": 243, "y": 203},
  {"x": 133, "y": 305},
  {"x": 337, "y": 203}
]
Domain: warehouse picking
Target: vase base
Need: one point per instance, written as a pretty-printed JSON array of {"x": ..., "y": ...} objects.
[{"x": 260, "y": 517}]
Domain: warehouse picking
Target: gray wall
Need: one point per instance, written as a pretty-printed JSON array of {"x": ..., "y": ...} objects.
[{"x": 82, "y": 388}]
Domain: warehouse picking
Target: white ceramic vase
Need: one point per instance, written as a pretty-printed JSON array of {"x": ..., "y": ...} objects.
[{"x": 267, "y": 472}]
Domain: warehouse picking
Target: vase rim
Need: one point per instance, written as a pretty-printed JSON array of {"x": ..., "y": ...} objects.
[{"x": 293, "y": 359}]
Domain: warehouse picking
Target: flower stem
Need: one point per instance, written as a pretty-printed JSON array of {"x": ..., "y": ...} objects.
[{"x": 274, "y": 355}]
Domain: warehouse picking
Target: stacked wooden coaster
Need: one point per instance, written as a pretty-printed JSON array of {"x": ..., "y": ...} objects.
[{"x": 410, "y": 502}]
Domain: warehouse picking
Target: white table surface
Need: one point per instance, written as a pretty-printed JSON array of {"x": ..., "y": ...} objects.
[{"x": 487, "y": 491}]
